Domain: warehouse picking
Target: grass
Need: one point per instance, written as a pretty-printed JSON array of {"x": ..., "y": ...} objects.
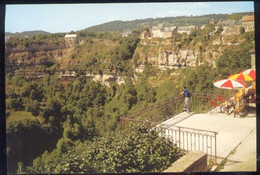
[
  {"x": 222, "y": 164},
  {"x": 19, "y": 116},
  {"x": 233, "y": 151},
  {"x": 211, "y": 163}
]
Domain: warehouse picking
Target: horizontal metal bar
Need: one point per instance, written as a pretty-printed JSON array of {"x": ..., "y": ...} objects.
[{"x": 194, "y": 129}]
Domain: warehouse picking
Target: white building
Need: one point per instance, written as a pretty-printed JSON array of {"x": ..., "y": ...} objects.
[
  {"x": 70, "y": 37},
  {"x": 185, "y": 29},
  {"x": 163, "y": 31}
]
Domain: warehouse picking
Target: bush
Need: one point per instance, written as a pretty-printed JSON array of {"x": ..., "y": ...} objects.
[{"x": 130, "y": 150}]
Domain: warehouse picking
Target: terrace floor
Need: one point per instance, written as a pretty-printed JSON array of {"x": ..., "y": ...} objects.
[{"x": 232, "y": 134}]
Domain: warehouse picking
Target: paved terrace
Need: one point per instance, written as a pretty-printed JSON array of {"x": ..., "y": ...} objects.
[{"x": 231, "y": 131}]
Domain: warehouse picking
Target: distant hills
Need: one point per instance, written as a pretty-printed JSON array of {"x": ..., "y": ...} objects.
[
  {"x": 174, "y": 21},
  {"x": 120, "y": 26},
  {"x": 26, "y": 33}
]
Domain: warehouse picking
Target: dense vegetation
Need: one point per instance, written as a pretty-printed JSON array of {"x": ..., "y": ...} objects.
[
  {"x": 84, "y": 112},
  {"x": 26, "y": 33},
  {"x": 38, "y": 39},
  {"x": 101, "y": 58},
  {"x": 131, "y": 150},
  {"x": 80, "y": 122}
]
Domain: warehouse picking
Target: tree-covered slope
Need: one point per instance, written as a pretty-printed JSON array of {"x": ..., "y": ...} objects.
[
  {"x": 27, "y": 33},
  {"x": 174, "y": 21}
]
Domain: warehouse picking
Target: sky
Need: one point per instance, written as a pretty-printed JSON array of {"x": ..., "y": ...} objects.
[{"x": 55, "y": 18}]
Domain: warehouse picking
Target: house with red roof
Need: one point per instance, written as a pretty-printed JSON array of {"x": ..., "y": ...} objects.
[{"x": 248, "y": 22}]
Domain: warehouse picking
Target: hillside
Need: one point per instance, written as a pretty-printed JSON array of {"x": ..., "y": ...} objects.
[
  {"x": 174, "y": 21},
  {"x": 26, "y": 33}
]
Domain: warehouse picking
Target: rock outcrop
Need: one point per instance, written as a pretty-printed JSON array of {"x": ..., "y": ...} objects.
[{"x": 166, "y": 53}]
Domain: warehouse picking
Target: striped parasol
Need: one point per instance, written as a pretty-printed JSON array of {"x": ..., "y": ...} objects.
[
  {"x": 229, "y": 84},
  {"x": 240, "y": 77},
  {"x": 250, "y": 72}
]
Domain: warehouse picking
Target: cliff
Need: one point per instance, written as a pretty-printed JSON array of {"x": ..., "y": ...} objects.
[
  {"x": 170, "y": 53},
  {"x": 94, "y": 53}
]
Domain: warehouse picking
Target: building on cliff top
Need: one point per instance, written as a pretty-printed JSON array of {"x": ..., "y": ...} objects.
[
  {"x": 230, "y": 27},
  {"x": 185, "y": 29},
  {"x": 144, "y": 35},
  {"x": 163, "y": 31},
  {"x": 70, "y": 37},
  {"x": 227, "y": 22},
  {"x": 248, "y": 22},
  {"x": 126, "y": 33}
]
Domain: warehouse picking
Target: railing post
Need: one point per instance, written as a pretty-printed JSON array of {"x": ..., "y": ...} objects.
[
  {"x": 215, "y": 147},
  {"x": 179, "y": 137}
]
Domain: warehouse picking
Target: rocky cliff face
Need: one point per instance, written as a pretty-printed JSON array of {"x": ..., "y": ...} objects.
[
  {"x": 34, "y": 55},
  {"x": 166, "y": 53},
  {"x": 179, "y": 58}
]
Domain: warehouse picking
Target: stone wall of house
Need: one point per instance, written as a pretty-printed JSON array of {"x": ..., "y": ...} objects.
[
  {"x": 156, "y": 33},
  {"x": 249, "y": 26},
  {"x": 167, "y": 34},
  {"x": 194, "y": 161},
  {"x": 233, "y": 30}
]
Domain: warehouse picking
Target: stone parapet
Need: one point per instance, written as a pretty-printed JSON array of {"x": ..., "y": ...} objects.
[{"x": 194, "y": 161}]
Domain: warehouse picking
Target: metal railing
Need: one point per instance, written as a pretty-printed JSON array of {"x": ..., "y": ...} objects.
[
  {"x": 189, "y": 139},
  {"x": 169, "y": 108}
]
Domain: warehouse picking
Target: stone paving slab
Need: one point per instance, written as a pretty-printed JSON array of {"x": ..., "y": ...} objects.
[
  {"x": 231, "y": 131},
  {"x": 244, "y": 156},
  {"x": 176, "y": 119}
]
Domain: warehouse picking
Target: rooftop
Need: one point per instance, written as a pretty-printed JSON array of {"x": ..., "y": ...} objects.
[
  {"x": 248, "y": 18},
  {"x": 70, "y": 35},
  {"x": 228, "y": 22},
  {"x": 186, "y": 28}
]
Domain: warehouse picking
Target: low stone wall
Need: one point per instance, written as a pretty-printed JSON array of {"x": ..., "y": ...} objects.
[{"x": 194, "y": 161}]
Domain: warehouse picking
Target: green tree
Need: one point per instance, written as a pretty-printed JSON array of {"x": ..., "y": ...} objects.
[
  {"x": 16, "y": 104},
  {"x": 197, "y": 80},
  {"x": 233, "y": 60}
]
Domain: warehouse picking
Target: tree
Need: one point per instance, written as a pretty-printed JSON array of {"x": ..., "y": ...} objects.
[
  {"x": 34, "y": 91},
  {"x": 233, "y": 60},
  {"x": 32, "y": 106},
  {"x": 16, "y": 104}
]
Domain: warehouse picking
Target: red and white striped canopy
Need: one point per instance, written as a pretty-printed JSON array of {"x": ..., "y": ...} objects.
[
  {"x": 229, "y": 84},
  {"x": 240, "y": 77},
  {"x": 249, "y": 72}
]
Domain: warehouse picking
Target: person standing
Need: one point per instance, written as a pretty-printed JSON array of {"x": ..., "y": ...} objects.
[{"x": 186, "y": 94}]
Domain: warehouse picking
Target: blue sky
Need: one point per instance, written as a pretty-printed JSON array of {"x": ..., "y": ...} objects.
[{"x": 56, "y": 18}]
